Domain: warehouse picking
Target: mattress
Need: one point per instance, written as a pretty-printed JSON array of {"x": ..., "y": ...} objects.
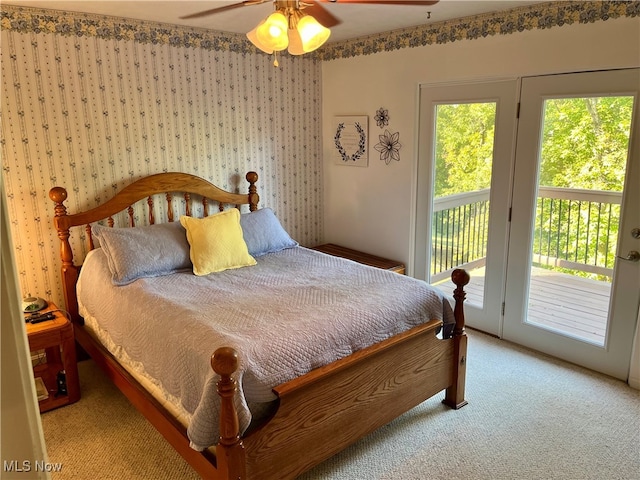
[{"x": 296, "y": 310}]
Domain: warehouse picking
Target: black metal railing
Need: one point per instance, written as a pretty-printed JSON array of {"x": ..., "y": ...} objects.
[
  {"x": 574, "y": 229},
  {"x": 577, "y": 229},
  {"x": 459, "y": 232}
]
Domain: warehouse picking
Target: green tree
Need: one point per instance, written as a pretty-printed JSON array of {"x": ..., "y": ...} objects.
[
  {"x": 463, "y": 157},
  {"x": 585, "y": 142},
  {"x": 464, "y": 147},
  {"x": 584, "y": 145}
]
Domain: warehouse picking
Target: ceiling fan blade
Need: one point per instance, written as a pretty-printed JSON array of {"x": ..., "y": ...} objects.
[
  {"x": 322, "y": 15},
  {"x": 385, "y": 2},
  {"x": 223, "y": 8}
]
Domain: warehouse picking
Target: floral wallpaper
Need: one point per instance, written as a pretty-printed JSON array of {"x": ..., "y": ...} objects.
[{"x": 92, "y": 103}]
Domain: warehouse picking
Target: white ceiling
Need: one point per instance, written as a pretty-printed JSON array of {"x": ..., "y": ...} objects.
[{"x": 357, "y": 20}]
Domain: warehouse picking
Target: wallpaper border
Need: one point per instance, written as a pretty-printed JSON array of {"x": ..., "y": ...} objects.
[
  {"x": 36, "y": 20},
  {"x": 537, "y": 16}
]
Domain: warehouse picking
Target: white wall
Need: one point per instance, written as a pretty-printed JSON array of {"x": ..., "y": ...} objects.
[{"x": 372, "y": 209}]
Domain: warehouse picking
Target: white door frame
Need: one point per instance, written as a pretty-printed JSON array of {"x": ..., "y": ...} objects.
[
  {"x": 614, "y": 357},
  {"x": 505, "y": 93}
]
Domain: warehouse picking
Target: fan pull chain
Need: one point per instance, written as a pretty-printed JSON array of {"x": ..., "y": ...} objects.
[{"x": 275, "y": 60}]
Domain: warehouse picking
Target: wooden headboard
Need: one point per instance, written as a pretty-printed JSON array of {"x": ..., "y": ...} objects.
[{"x": 145, "y": 188}]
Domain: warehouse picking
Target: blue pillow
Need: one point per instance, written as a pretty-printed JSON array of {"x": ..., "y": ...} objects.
[
  {"x": 147, "y": 251},
  {"x": 263, "y": 233}
]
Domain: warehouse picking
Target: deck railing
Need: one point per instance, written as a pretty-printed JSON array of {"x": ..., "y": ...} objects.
[
  {"x": 459, "y": 232},
  {"x": 577, "y": 229},
  {"x": 574, "y": 229}
]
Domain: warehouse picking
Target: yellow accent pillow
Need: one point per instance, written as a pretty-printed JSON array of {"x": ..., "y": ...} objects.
[{"x": 216, "y": 242}]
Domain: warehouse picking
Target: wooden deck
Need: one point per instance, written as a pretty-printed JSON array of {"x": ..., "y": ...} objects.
[{"x": 574, "y": 305}]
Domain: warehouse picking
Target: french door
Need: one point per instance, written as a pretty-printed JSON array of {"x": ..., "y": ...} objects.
[
  {"x": 466, "y": 143},
  {"x": 573, "y": 279},
  {"x": 541, "y": 204}
]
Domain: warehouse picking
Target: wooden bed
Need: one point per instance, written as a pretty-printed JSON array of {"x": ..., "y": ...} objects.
[{"x": 318, "y": 414}]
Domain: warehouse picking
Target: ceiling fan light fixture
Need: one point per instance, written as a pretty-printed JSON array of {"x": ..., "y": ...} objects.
[
  {"x": 253, "y": 38},
  {"x": 289, "y": 27},
  {"x": 295, "y": 43},
  {"x": 312, "y": 34},
  {"x": 271, "y": 34}
]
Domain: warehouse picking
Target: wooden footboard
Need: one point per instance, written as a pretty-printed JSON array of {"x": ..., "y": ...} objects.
[{"x": 328, "y": 409}]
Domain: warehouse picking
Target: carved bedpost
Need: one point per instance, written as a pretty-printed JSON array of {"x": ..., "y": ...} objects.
[
  {"x": 454, "y": 396},
  {"x": 252, "y": 178},
  {"x": 461, "y": 278},
  {"x": 69, "y": 270},
  {"x": 230, "y": 452}
]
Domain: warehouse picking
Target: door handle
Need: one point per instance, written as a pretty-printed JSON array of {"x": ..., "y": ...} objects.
[
  {"x": 635, "y": 233},
  {"x": 632, "y": 256}
]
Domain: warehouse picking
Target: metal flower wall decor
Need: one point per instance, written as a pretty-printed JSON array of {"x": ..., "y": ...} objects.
[
  {"x": 382, "y": 117},
  {"x": 389, "y": 146}
]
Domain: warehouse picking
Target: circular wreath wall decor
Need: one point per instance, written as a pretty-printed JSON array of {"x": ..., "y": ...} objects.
[{"x": 360, "y": 135}]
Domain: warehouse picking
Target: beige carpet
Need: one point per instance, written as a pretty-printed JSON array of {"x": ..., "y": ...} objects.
[{"x": 529, "y": 417}]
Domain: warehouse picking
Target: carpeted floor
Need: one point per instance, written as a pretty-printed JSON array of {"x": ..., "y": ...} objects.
[{"x": 529, "y": 417}]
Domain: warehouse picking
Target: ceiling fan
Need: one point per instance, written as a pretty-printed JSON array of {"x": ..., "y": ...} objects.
[{"x": 300, "y": 26}]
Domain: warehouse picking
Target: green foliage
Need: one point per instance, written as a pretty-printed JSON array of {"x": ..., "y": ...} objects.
[
  {"x": 464, "y": 158},
  {"x": 464, "y": 147},
  {"x": 585, "y": 142},
  {"x": 584, "y": 145}
]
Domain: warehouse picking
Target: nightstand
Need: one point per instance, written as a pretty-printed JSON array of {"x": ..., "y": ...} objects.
[
  {"x": 361, "y": 257},
  {"x": 52, "y": 344}
]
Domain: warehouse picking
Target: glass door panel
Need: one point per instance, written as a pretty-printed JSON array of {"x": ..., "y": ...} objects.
[
  {"x": 571, "y": 291},
  {"x": 464, "y": 146},
  {"x": 583, "y": 158}
]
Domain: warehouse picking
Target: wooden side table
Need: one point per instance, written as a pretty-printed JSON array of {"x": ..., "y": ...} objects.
[
  {"x": 59, "y": 364},
  {"x": 361, "y": 257}
]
